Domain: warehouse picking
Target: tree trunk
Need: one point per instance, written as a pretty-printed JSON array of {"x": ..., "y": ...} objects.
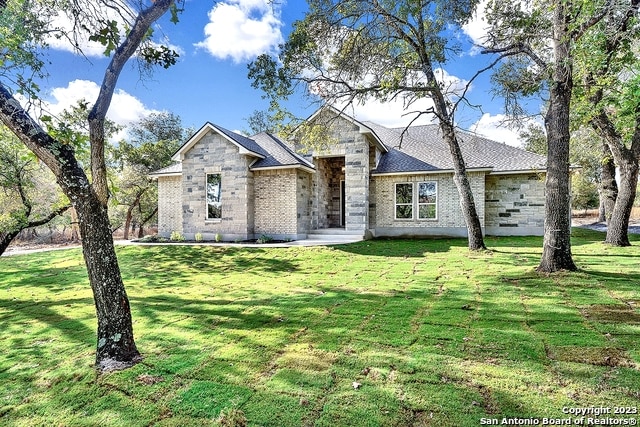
[
  {"x": 627, "y": 161},
  {"x": 467, "y": 203},
  {"x": 115, "y": 348},
  {"x": 7, "y": 237},
  {"x": 556, "y": 253},
  {"x": 127, "y": 222},
  {"x": 618, "y": 224},
  {"x": 608, "y": 186},
  {"x": 145, "y": 220}
]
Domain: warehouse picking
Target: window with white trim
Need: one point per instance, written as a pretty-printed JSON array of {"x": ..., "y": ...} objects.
[
  {"x": 427, "y": 197},
  {"x": 214, "y": 188},
  {"x": 404, "y": 200}
]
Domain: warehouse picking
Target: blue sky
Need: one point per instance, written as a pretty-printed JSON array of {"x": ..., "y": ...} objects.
[{"x": 216, "y": 40}]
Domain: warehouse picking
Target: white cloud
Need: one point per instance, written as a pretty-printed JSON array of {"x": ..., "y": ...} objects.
[
  {"x": 124, "y": 110},
  {"x": 497, "y": 128},
  {"x": 476, "y": 28},
  {"x": 393, "y": 114},
  {"x": 396, "y": 113},
  {"x": 242, "y": 29}
]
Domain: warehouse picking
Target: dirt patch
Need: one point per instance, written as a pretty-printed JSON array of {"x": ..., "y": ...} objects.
[
  {"x": 597, "y": 356},
  {"x": 616, "y": 313}
]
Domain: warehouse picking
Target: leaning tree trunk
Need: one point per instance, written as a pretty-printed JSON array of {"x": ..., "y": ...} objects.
[
  {"x": 467, "y": 203},
  {"x": 608, "y": 186},
  {"x": 618, "y": 225},
  {"x": 626, "y": 158},
  {"x": 115, "y": 348},
  {"x": 556, "y": 253}
]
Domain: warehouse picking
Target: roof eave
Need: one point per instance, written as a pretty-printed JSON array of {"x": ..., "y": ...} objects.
[
  {"x": 518, "y": 171},
  {"x": 280, "y": 167},
  {"x": 179, "y": 155},
  {"x": 428, "y": 172}
]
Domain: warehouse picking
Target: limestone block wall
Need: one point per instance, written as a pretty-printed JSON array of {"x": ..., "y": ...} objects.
[
  {"x": 169, "y": 205},
  {"x": 356, "y": 183},
  {"x": 214, "y": 154},
  {"x": 515, "y": 204},
  {"x": 326, "y": 187},
  {"x": 304, "y": 202},
  {"x": 351, "y": 147},
  {"x": 449, "y": 221}
]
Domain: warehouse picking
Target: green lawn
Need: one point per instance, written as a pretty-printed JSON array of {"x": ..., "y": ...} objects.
[{"x": 433, "y": 334}]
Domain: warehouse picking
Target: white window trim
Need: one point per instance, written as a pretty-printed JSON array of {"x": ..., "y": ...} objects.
[
  {"x": 426, "y": 204},
  {"x": 395, "y": 201}
]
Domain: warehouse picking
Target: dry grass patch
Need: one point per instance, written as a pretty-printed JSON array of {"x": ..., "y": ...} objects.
[{"x": 597, "y": 356}]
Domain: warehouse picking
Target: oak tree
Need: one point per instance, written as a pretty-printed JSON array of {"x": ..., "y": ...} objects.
[
  {"x": 26, "y": 28},
  {"x": 349, "y": 51}
]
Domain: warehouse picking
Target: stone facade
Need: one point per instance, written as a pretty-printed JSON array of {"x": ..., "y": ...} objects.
[
  {"x": 215, "y": 155},
  {"x": 514, "y": 204},
  {"x": 169, "y": 197},
  {"x": 342, "y": 167},
  {"x": 333, "y": 188},
  {"x": 449, "y": 219}
]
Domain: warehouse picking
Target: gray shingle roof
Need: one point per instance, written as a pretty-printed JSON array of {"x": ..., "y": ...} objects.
[
  {"x": 422, "y": 148},
  {"x": 247, "y": 143},
  {"x": 173, "y": 169},
  {"x": 278, "y": 153},
  {"x": 416, "y": 149}
]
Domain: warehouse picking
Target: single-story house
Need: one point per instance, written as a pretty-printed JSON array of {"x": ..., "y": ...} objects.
[{"x": 371, "y": 181}]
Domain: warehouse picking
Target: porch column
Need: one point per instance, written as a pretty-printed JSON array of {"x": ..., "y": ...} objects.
[{"x": 357, "y": 185}]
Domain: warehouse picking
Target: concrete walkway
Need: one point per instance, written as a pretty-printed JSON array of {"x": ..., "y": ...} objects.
[{"x": 316, "y": 240}]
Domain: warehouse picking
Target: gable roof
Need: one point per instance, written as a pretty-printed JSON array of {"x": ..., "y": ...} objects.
[
  {"x": 244, "y": 144},
  {"x": 416, "y": 149},
  {"x": 422, "y": 149},
  {"x": 279, "y": 154},
  {"x": 363, "y": 127}
]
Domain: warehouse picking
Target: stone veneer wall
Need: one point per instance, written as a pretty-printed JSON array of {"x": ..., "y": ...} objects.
[
  {"x": 304, "y": 203},
  {"x": 449, "y": 221},
  {"x": 215, "y": 154},
  {"x": 515, "y": 204},
  {"x": 169, "y": 205},
  {"x": 354, "y": 148},
  {"x": 281, "y": 208},
  {"x": 326, "y": 187}
]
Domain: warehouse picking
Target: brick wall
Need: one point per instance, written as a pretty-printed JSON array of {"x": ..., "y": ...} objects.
[
  {"x": 275, "y": 202},
  {"x": 169, "y": 205},
  {"x": 215, "y": 154},
  {"x": 515, "y": 204},
  {"x": 449, "y": 221}
]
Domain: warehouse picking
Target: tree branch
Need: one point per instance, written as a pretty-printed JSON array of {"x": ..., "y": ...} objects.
[{"x": 98, "y": 113}]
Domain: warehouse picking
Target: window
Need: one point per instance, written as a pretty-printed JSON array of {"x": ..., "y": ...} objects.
[
  {"x": 427, "y": 193},
  {"x": 404, "y": 201},
  {"x": 214, "y": 207}
]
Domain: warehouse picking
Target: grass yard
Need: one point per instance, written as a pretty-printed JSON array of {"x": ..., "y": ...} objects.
[{"x": 377, "y": 333}]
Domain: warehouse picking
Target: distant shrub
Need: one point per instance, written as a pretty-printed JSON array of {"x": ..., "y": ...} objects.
[
  {"x": 218, "y": 237},
  {"x": 176, "y": 236},
  {"x": 264, "y": 239},
  {"x": 198, "y": 237}
]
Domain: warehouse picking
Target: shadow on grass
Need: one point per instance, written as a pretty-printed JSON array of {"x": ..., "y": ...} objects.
[
  {"x": 249, "y": 260},
  {"x": 401, "y": 248}
]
